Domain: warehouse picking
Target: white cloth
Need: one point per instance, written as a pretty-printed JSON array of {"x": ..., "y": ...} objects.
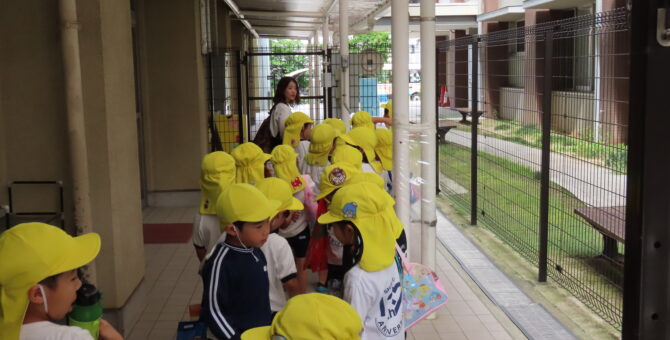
[
  {"x": 46, "y": 330},
  {"x": 279, "y": 115},
  {"x": 281, "y": 265},
  {"x": 206, "y": 231},
  {"x": 314, "y": 172},
  {"x": 335, "y": 251},
  {"x": 384, "y": 175},
  {"x": 302, "y": 150},
  {"x": 300, "y": 223},
  {"x": 377, "y": 297}
]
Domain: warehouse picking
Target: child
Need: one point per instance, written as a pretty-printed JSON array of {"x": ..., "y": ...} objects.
[
  {"x": 347, "y": 154},
  {"x": 39, "y": 282},
  {"x": 384, "y": 151},
  {"x": 235, "y": 278},
  {"x": 281, "y": 265},
  {"x": 320, "y": 146},
  {"x": 362, "y": 119},
  {"x": 297, "y": 233},
  {"x": 311, "y": 316},
  {"x": 325, "y": 252},
  {"x": 365, "y": 140},
  {"x": 250, "y": 162},
  {"x": 362, "y": 216},
  {"x": 297, "y": 131},
  {"x": 217, "y": 172},
  {"x": 337, "y": 124}
]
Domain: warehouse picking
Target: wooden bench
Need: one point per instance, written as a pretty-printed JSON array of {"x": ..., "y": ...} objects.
[
  {"x": 443, "y": 126},
  {"x": 611, "y": 223},
  {"x": 466, "y": 111}
]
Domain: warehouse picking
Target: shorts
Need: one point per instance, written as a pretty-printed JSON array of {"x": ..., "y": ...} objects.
[{"x": 299, "y": 243}]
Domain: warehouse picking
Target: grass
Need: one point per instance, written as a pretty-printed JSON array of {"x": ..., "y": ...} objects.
[
  {"x": 509, "y": 205},
  {"x": 611, "y": 156}
]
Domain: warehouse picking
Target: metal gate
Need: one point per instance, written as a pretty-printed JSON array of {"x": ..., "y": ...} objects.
[
  {"x": 224, "y": 91},
  {"x": 266, "y": 65}
]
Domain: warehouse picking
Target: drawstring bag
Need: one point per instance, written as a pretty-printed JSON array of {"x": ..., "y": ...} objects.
[{"x": 422, "y": 291}]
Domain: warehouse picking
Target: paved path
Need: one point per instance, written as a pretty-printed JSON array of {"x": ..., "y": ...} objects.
[{"x": 592, "y": 184}]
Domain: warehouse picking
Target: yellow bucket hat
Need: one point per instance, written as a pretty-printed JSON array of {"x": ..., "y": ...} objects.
[
  {"x": 285, "y": 165},
  {"x": 347, "y": 154},
  {"x": 368, "y": 177},
  {"x": 30, "y": 253},
  {"x": 337, "y": 124},
  {"x": 384, "y": 148},
  {"x": 362, "y": 119},
  {"x": 309, "y": 317},
  {"x": 242, "y": 202},
  {"x": 368, "y": 207},
  {"x": 250, "y": 162},
  {"x": 217, "y": 171},
  {"x": 389, "y": 107},
  {"x": 366, "y": 139},
  {"x": 279, "y": 190},
  {"x": 334, "y": 177},
  {"x": 292, "y": 127},
  {"x": 321, "y": 142}
]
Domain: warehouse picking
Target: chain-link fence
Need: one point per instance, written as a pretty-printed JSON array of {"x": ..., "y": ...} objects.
[{"x": 538, "y": 153}]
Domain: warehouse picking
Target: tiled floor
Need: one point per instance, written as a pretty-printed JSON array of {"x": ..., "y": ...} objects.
[{"x": 172, "y": 284}]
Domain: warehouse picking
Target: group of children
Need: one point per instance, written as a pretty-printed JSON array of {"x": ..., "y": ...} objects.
[{"x": 319, "y": 201}]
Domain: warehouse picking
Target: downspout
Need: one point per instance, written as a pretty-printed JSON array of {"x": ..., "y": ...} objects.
[{"x": 83, "y": 219}]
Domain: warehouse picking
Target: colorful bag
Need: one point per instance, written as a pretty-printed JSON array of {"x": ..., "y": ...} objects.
[{"x": 422, "y": 291}]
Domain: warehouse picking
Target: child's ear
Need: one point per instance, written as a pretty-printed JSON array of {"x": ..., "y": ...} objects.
[
  {"x": 35, "y": 295},
  {"x": 231, "y": 230}
]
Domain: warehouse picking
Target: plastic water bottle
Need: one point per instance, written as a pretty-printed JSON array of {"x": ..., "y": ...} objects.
[{"x": 87, "y": 310}]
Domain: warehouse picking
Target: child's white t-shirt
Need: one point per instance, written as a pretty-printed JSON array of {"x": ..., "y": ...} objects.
[
  {"x": 46, "y": 330},
  {"x": 206, "y": 231},
  {"x": 281, "y": 268},
  {"x": 377, "y": 297},
  {"x": 302, "y": 150},
  {"x": 314, "y": 171}
]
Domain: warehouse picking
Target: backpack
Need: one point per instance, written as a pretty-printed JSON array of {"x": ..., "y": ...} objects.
[{"x": 264, "y": 138}]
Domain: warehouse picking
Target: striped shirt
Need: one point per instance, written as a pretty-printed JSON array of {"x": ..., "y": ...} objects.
[{"x": 235, "y": 291}]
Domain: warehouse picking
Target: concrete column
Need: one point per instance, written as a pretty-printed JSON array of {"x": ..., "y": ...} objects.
[
  {"x": 400, "y": 50},
  {"x": 344, "y": 53}
]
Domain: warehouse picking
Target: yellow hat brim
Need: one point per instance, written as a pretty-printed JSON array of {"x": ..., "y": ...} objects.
[
  {"x": 328, "y": 218},
  {"x": 325, "y": 193},
  {"x": 258, "y": 333},
  {"x": 85, "y": 248},
  {"x": 295, "y": 205}
]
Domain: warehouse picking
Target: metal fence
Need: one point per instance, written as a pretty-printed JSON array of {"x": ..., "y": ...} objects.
[
  {"x": 224, "y": 92},
  {"x": 266, "y": 65},
  {"x": 538, "y": 152},
  {"x": 370, "y": 80}
]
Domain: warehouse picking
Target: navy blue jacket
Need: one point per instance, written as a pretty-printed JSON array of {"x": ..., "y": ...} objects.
[{"x": 236, "y": 291}]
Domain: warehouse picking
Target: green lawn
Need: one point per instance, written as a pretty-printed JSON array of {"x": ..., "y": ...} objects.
[{"x": 509, "y": 206}]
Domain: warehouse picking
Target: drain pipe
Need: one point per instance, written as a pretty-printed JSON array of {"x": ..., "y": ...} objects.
[
  {"x": 428, "y": 147},
  {"x": 83, "y": 219},
  {"x": 344, "y": 53},
  {"x": 400, "y": 89}
]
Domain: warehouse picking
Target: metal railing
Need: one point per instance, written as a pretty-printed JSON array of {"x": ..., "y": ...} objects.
[{"x": 542, "y": 161}]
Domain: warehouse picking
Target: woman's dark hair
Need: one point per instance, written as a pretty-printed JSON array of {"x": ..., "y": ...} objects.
[{"x": 281, "y": 87}]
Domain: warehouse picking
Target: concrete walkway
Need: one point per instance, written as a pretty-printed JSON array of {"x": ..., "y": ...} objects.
[{"x": 592, "y": 184}]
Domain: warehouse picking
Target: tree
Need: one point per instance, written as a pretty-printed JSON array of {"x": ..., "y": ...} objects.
[
  {"x": 281, "y": 65},
  {"x": 378, "y": 41}
]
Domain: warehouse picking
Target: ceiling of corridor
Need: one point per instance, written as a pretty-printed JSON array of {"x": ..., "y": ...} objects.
[{"x": 299, "y": 18}]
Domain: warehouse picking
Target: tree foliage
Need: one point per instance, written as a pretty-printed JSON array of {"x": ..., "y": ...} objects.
[
  {"x": 281, "y": 65},
  {"x": 378, "y": 41}
]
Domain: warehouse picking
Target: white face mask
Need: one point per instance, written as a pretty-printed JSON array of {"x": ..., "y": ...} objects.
[{"x": 44, "y": 296}]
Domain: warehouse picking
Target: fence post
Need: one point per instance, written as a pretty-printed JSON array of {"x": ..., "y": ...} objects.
[
  {"x": 473, "y": 139},
  {"x": 437, "y": 126},
  {"x": 546, "y": 156},
  {"x": 240, "y": 105}
]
